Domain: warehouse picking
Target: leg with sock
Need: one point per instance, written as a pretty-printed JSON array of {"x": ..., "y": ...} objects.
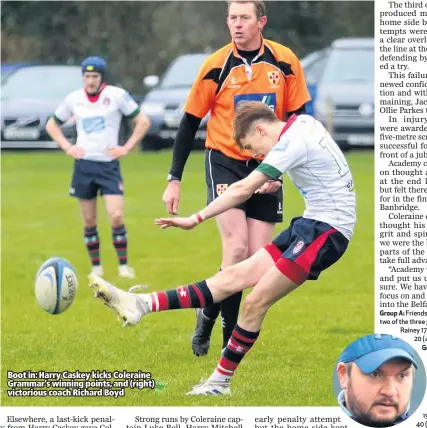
[
  {"x": 233, "y": 231},
  {"x": 120, "y": 242},
  {"x": 240, "y": 343},
  {"x": 195, "y": 295},
  {"x": 114, "y": 205},
  {"x": 201, "y": 340},
  {"x": 132, "y": 307},
  {"x": 91, "y": 239},
  {"x": 271, "y": 288},
  {"x": 229, "y": 314}
]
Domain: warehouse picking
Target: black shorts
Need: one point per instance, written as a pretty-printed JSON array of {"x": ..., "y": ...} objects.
[
  {"x": 222, "y": 171},
  {"x": 306, "y": 248},
  {"x": 90, "y": 177}
]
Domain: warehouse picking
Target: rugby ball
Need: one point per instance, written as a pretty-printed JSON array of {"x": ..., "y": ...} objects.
[{"x": 55, "y": 285}]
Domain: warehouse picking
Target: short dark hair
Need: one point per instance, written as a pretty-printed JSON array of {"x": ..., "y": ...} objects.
[
  {"x": 247, "y": 112},
  {"x": 259, "y": 5}
]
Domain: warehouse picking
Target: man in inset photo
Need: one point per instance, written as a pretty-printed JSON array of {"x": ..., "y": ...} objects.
[{"x": 376, "y": 374}]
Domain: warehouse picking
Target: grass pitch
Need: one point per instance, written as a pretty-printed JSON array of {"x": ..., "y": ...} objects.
[{"x": 293, "y": 361}]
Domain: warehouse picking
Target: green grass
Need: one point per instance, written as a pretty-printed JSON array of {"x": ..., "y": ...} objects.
[{"x": 293, "y": 361}]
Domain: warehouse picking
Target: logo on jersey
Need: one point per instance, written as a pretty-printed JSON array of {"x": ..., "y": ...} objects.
[
  {"x": 106, "y": 101},
  {"x": 233, "y": 83},
  {"x": 273, "y": 77},
  {"x": 298, "y": 247},
  {"x": 93, "y": 124},
  {"x": 121, "y": 188},
  {"x": 221, "y": 188},
  {"x": 268, "y": 99}
]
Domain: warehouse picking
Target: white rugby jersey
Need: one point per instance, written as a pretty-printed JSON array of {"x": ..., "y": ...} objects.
[
  {"x": 98, "y": 122},
  {"x": 318, "y": 169}
]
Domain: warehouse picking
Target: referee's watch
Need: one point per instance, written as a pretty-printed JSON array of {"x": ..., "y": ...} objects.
[{"x": 172, "y": 178}]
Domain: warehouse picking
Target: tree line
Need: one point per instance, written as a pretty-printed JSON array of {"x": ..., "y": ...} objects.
[{"x": 139, "y": 38}]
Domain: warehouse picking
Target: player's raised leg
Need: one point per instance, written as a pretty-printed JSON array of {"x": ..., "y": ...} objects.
[
  {"x": 271, "y": 288},
  {"x": 132, "y": 307}
]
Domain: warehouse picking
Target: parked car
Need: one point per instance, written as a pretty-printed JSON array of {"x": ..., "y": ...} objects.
[
  {"x": 344, "y": 98},
  {"x": 313, "y": 65},
  {"x": 9, "y": 68},
  {"x": 164, "y": 104},
  {"x": 29, "y": 96}
]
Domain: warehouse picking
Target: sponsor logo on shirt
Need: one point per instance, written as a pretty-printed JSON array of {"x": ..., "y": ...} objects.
[
  {"x": 106, "y": 101},
  {"x": 268, "y": 99},
  {"x": 93, "y": 124}
]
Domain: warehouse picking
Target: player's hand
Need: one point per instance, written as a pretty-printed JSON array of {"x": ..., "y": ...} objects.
[
  {"x": 186, "y": 223},
  {"x": 117, "y": 152},
  {"x": 171, "y": 196},
  {"x": 270, "y": 187},
  {"x": 75, "y": 152}
]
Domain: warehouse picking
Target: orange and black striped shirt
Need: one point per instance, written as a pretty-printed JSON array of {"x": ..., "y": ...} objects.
[{"x": 274, "y": 77}]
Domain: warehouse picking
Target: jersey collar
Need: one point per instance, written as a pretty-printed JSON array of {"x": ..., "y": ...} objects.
[
  {"x": 288, "y": 124},
  {"x": 261, "y": 50},
  {"x": 94, "y": 98}
]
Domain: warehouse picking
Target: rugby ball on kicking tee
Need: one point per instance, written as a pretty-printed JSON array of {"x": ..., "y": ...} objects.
[{"x": 56, "y": 285}]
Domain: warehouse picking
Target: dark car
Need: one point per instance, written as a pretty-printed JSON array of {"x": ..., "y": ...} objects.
[
  {"x": 345, "y": 91},
  {"x": 164, "y": 104},
  {"x": 29, "y": 97}
]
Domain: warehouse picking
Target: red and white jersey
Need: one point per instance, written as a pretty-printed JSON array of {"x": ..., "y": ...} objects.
[
  {"x": 318, "y": 168},
  {"x": 98, "y": 119}
]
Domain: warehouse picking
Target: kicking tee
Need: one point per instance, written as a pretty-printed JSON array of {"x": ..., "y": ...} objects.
[
  {"x": 97, "y": 118},
  {"x": 317, "y": 167}
]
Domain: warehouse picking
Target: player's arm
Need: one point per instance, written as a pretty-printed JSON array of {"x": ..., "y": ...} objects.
[
  {"x": 183, "y": 143},
  {"x": 233, "y": 196},
  {"x": 53, "y": 128},
  {"x": 141, "y": 125},
  {"x": 130, "y": 110},
  {"x": 198, "y": 104}
]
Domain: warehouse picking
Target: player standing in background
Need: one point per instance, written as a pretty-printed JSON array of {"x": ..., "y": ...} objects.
[
  {"x": 249, "y": 68},
  {"x": 315, "y": 164},
  {"x": 98, "y": 109}
]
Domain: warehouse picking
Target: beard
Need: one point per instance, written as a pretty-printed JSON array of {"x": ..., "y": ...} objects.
[{"x": 367, "y": 417}]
